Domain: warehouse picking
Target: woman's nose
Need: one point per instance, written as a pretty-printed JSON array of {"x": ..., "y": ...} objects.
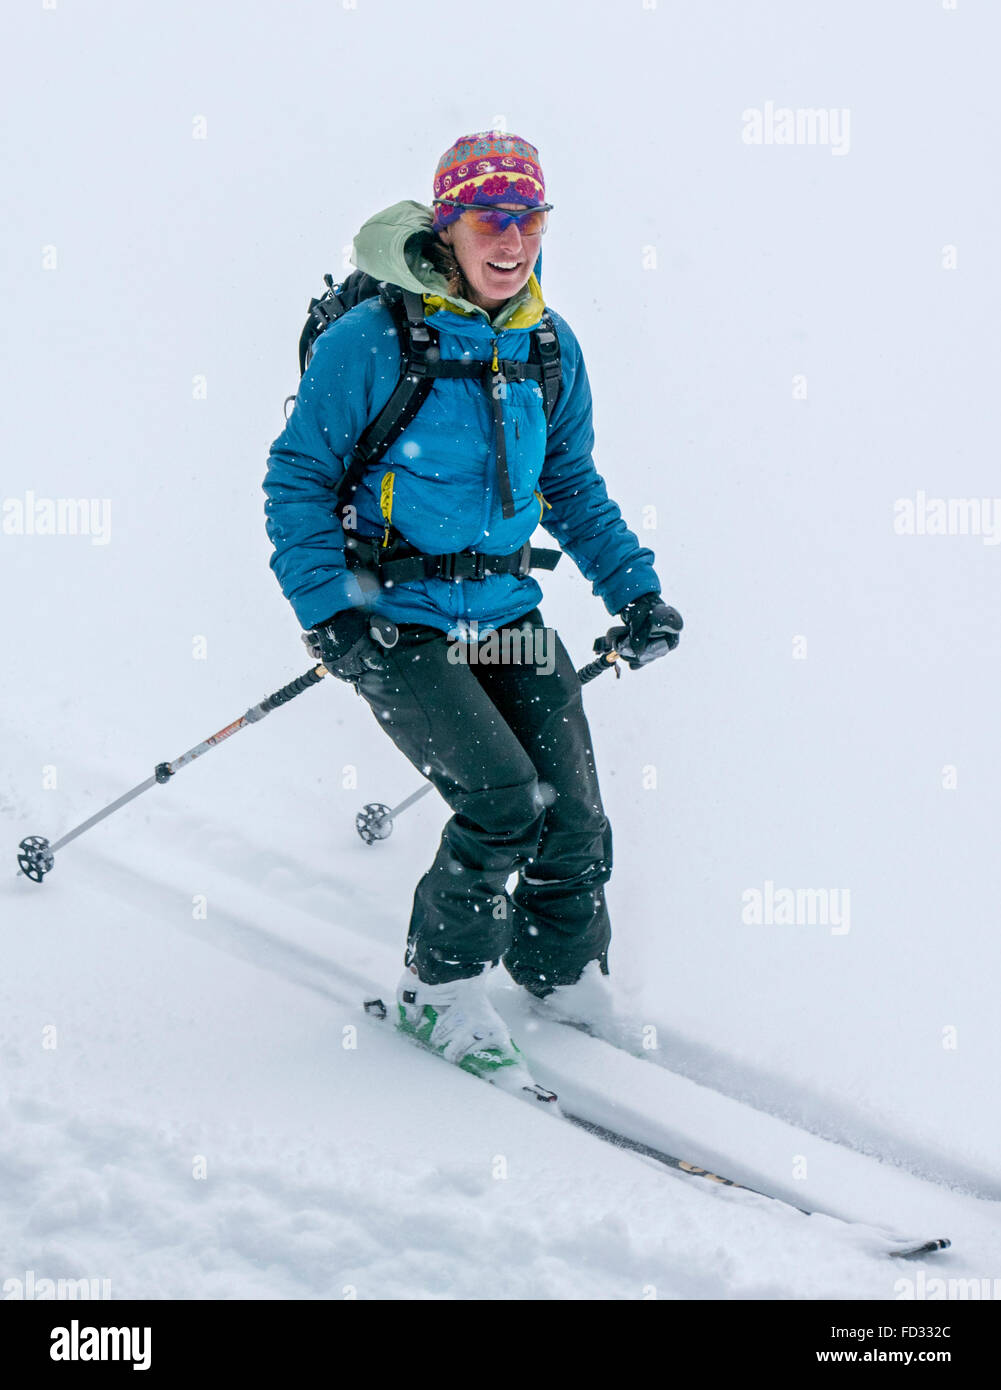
[{"x": 509, "y": 242}]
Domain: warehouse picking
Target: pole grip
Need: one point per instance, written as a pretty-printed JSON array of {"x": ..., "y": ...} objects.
[
  {"x": 597, "y": 667},
  {"x": 608, "y": 655},
  {"x": 287, "y": 692}
]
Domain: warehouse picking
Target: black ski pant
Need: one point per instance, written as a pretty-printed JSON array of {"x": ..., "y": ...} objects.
[{"x": 507, "y": 745}]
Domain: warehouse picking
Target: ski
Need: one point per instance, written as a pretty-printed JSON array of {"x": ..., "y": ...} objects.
[{"x": 899, "y": 1247}]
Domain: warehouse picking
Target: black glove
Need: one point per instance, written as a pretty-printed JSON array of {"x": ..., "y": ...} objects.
[
  {"x": 351, "y": 643},
  {"x": 653, "y": 629}
]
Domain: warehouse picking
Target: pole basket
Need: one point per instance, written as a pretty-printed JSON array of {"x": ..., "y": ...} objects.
[{"x": 35, "y": 858}]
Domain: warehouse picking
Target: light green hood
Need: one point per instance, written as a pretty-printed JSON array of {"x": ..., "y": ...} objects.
[{"x": 390, "y": 245}]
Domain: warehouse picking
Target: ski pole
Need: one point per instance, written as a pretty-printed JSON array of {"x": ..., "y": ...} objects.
[
  {"x": 36, "y": 855},
  {"x": 375, "y": 821}
]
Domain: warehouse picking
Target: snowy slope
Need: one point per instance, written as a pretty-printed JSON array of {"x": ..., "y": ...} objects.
[
  {"x": 729, "y": 765},
  {"x": 216, "y": 1045}
]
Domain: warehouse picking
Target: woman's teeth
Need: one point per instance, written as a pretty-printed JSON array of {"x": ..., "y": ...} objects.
[{"x": 505, "y": 266}]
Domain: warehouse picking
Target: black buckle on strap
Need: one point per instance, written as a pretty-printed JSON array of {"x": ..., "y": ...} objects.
[
  {"x": 367, "y": 551},
  {"x": 524, "y": 560},
  {"x": 354, "y": 546},
  {"x": 461, "y": 564}
]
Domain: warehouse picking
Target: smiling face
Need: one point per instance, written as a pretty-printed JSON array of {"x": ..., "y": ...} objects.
[{"x": 485, "y": 259}]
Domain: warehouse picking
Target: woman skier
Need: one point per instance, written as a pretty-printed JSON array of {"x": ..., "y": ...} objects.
[{"x": 433, "y": 552}]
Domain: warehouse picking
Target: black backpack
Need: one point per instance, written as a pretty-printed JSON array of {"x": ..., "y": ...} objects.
[{"x": 420, "y": 364}]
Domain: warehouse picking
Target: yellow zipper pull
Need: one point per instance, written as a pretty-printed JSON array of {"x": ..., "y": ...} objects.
[
  {"x": 494, "y": 365},
  {"x": 386, "y": 504}
]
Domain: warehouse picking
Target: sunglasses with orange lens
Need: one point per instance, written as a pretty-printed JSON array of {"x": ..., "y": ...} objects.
[{"x": 491, "y": 221}]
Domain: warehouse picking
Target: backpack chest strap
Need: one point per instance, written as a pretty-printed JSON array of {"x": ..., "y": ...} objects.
[{"x": 476, "y": 368}]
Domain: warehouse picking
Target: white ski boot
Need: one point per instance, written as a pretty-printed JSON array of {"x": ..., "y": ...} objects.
[
  {"x": 587, "y": 1004},
  {"x": 458, "y": 1021}
]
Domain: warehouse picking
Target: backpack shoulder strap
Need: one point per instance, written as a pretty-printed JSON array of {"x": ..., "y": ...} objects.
[
  {"x": 546, "y": 351},
  {"x": 416, "y": 338},
  {"x": 417, "y": 369}
]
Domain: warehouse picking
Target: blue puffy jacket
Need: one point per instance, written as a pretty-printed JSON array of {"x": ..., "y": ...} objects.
[{"x": 437, "y": 482}]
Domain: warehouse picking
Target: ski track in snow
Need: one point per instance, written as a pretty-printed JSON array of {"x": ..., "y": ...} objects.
[
  {"x": 815, "y": 1110},
  {"x": 386, "y": 1188}
]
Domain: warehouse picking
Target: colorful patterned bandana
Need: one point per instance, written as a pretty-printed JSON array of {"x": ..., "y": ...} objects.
[{"x": 490, "y": 167}]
